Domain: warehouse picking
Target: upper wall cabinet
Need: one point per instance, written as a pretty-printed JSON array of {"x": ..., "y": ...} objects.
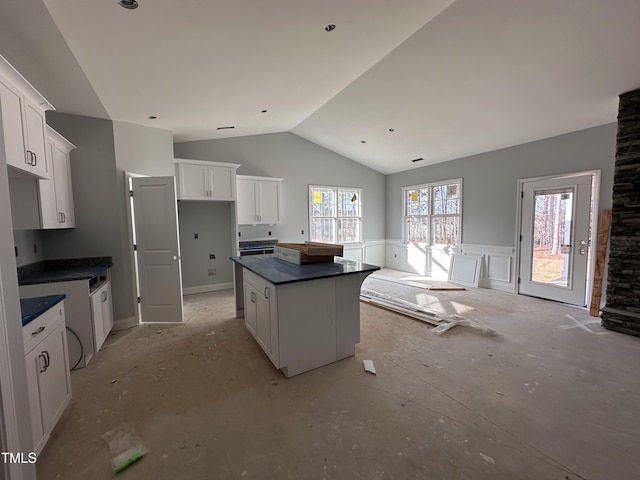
[
  {"x": 23, "y": 123},
  {"x": 258, "y": 200},
  {"x": 210, "y": 181},
  {"x": 56, "y": 194}
]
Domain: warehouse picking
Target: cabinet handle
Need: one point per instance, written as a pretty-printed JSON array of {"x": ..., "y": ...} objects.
[
  {"x": 40, "y": 330},
  {"x": 253, "y": 297},
  {"x": 267, "y": 292},
  {"x": 35, "y": 159},
  {"x": 104, "y": 296},
  {"x": 64, "y": 217},
  {"x": 44, "y": 365},
  {"x": 48, "y": 359}
]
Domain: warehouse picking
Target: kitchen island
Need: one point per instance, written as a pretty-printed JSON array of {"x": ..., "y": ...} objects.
[{"x": 303, "y": 316}]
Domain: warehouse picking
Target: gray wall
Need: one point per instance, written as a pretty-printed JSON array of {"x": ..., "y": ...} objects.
[
  {"x": 300, "y": 163},
  {"x": 105, "y": 150},
  {"x": 211, "y": 221},
  {"x": 145, "y": 151},
  {"x": 26, "y": 241},
  {"x": 490, "y": 181},
  {"x": 95, "y": 199}
]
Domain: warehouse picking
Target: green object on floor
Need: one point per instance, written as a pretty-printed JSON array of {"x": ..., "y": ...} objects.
[{"x": 131, "y": 460}]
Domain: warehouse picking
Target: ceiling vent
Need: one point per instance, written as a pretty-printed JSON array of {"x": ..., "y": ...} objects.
[{"x": 417, "y": 160}]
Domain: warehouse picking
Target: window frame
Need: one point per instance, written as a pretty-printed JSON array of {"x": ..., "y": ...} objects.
[
  {"x": 336, "y": 217},
  {"x": 430, "y": 216}
]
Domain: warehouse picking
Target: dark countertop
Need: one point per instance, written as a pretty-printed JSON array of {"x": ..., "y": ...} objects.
[
  {"x": 32, "y": 308},
  {"x": 66, "y": 270},
  {"x": 280, "y": 272}
]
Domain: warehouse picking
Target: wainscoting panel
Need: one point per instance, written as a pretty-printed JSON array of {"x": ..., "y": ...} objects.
[{"x": 498, "y": 266}]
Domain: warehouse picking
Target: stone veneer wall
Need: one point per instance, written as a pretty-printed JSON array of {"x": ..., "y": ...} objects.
[{"x": 622, "y": 310}]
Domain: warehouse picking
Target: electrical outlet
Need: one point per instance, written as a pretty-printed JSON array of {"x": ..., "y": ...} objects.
[
  {"x": 195, "y": 235},
  {"x": 212, "y": 256},
  {"x": 35, "y": 248},
  {"x": 301, "y": 232},
  {"x": 211, "y": 272}
]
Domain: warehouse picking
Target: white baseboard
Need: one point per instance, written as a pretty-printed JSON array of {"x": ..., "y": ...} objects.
[
  {"x": 207, "y": 288},
  {"x": 124, "y": 324}
]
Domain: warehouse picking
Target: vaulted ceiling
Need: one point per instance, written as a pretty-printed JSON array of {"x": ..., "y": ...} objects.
[{"x": 392, "y": 82}]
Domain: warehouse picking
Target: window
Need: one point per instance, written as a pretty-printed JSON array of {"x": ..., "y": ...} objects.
[
  {"x": 335, "y": 214},
  {"x": 432, "y": 213}
]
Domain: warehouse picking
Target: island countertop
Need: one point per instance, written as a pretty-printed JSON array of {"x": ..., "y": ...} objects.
[{"x": 280, "y": 272}]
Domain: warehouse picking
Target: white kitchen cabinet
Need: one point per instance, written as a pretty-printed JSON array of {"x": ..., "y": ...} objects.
[
  {"x": 23, "y": 122},
  {"x": 79, "y": 304},
  {"x": 258, "y": 200},
  {"x": 261, "y": 314},
  {"x": 101, "y": 313},
  {"x": 56, "y": 194},
  {"x": 47, "y": 365},
  {"x": 210, "y": 181}
]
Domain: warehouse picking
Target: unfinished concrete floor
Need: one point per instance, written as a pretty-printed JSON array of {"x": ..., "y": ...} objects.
[{"x": 552, "y": 396}]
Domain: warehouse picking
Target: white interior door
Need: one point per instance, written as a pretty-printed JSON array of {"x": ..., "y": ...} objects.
[
  {"x": 554, "y": 235},
  {"x": 158, "y": 249}
]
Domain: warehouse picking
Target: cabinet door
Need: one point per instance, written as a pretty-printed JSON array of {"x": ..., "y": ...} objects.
[
  {"x": 53, "y": 381},
  {"x": 107, "y": 310},
  {"x": 49, "y": 214},
  {"x": 102, "y": 314},
  {"x": 250, "y": 308},
  {"x": 221, "y": 180},
  {"x": 269, "y": 202},
  {"x": 34, "y": 128},
  {"x": 193, "y": 182},
  {"x": 263, "y": 323},
  {"x": 11, "y": 110},
  {"x": 34, "y": 363},
  {"x": 246, "y": 201},
  {"x": 61, "y": 176}
]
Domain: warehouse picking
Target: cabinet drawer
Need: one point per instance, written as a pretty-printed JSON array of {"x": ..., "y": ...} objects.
[
  {"x": 39, "y": 328},
  {"x": 258, "y": 283}
]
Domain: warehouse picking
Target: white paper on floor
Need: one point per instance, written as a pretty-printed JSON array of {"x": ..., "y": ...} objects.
[{"x": 368, "y": 366}]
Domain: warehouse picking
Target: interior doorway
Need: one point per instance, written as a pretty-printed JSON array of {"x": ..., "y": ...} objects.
[{"x": 557, "y": 221}]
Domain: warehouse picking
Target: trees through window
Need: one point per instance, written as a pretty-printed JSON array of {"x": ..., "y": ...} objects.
[
  {"x": 432, "y": 213},
  {"x": 335, "y": 214}
]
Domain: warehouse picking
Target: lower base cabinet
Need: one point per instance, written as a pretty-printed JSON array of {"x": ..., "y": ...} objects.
[
  {"x": 48, "y": 379},
  {"x": 260, "y": 314}
]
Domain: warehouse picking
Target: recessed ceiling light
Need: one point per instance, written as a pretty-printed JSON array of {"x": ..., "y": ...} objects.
[
  {"x": 263, "y": 111},
  {"x": 226, "y": 128},
  {"x": 392, "y": 130},
  {"x": 130, "y": 4},
  {"x": 363, "y": 141},
  {"x": 330, "y": 28},
  {"x": 417, "y": 160}
]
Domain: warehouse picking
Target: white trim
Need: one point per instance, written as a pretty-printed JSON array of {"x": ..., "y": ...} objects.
[
  {"x": 207, "y": 288},
  {"x": 17, "y": 80},
  {"x": 208, "y": 163}
]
